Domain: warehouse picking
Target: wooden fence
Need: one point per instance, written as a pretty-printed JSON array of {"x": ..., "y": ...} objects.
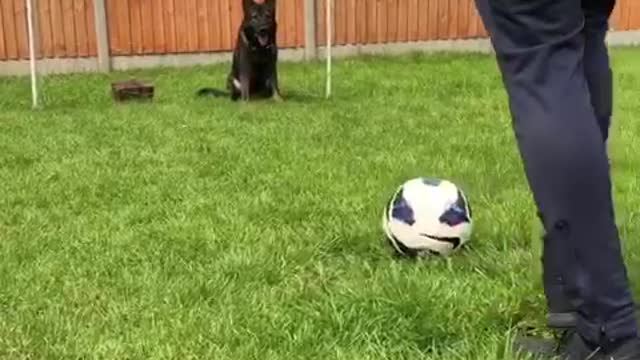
[{"x": 67, "y": 28}]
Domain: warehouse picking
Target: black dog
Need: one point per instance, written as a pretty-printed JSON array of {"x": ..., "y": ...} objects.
[{"x": 255, "y": 57}]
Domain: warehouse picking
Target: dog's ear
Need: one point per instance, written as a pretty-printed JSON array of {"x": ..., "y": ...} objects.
[
  {"x": 246, "y": 5},
  {"x": 271, "y": 4}
]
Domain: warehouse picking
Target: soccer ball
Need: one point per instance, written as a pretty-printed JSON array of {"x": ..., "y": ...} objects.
[{"x": 427, "y": 217}]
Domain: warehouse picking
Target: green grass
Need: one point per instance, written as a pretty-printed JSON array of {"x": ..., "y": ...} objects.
[{"x": 189, "y": 228}]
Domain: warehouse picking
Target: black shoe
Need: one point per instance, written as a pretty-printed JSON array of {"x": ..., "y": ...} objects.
[
  {"x": 573, "y": 347},
  {"x": 578, "y": 349}
]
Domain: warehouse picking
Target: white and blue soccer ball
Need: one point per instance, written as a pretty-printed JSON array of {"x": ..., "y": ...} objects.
[{"x": 427, "y": 216}]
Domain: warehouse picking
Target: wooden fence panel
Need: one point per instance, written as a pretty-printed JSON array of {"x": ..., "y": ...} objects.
[
  {"x": 633, "y": 8},
  {"x": 388, "y": 21},
  {"x": 72, "y": 33},
  {"x": 80, "y": 10},
  {"x": 65, "y": 29},
  {"x": 141, "y": 27},
  {"x": 9, "y": 30},
  {"x": 145, "y": 27},
  {"x": 68, "y": 28},
  {"x": 623, "y": 22},
  {"x": 20, "y": 16},
  {"x": 287, "y": 17}
]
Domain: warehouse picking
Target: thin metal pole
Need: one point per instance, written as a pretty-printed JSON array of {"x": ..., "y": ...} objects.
[
  {"x": 329, "y": 23},
  {"x": 32, "y": 54}
]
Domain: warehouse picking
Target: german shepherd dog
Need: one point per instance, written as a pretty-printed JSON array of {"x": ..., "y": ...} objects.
[{"x": 255, "y": 57}]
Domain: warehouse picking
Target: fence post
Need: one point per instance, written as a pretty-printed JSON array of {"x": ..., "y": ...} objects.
[
  {"x": 310, "y": 48},
  {"x": 102, "y": 35}
]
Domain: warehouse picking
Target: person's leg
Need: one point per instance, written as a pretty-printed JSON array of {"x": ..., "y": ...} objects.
[
  {"x": 561, "y": 309},
  {"x": 540, "y": 51},
  {"x": 600, "y": 82}
]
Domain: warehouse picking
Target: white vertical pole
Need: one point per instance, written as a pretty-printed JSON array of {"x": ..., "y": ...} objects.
[
  {"x": 32, "y": 53},
  {"x": 329, "y": 25}
]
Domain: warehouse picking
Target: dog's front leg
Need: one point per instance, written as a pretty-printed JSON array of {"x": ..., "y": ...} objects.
[
  {"x": 275, "y": 88},
  {"x": 245, "y": 86}
]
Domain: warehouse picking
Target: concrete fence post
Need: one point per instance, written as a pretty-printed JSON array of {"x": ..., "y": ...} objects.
[
  {"x": 102, "y": 36},
  {"x": 310, "y": 48}
]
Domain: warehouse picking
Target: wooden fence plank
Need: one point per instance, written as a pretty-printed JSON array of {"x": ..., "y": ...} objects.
[
  {"x": 114, "y": 34},
  {"x": 123, "y": 23},
  {"x": 228, "y": 34},
  {"x": 57, "y": 29},
  {"x": 361, "y": 21},
  {"x": 628, "y": 14},
  {"x": 383, "y": 17},
  {"x": 300, "y": 25},
  {"x": 182, "y": 28},
  {"x": 45, "y": 47},
  {"x": 454, "y": 6},
  {"x": 474, "y": 23},
  {"x": 69, "y": 25},
  {"x": 412, "y": 21},
  {"x": 170, "y": 34},
  {"x": 392, "y": 21},
  {"x": 236, "y": 15},
  {"x": 3, "y": 33},
  {"x": 286, "y": 13},
  {"x": 371, "y": 14},
  {"x": 204, "y": 31},
  {"x": 20, "y": 16},
  {"x": 341, "y": 20},
  {"x": 634, "y": 15},
  {"x": 463, "y": 19},
  {"x": 90, "y": 17},
  {"x": 214, "y": 25},
  {"x": 282, "y": 25},
  {"x": 433, "y": 20},
  {"x": 135, "y": 11},
  {"x": 11, "y": 32},
  {"x": 159, "y": 32},
  {"x": 423, "y": 20},
  {"x": 615, "y": 17},
  {"x": 192, "y": 24},
  {"x": 290, "y": 23},
  {"x": 146, "y": 25},
  {"x": 403, "y": 24},
  {"x": 443, "y": 19},
  {"x": 126, "y": 26},
  {"x": 624, "y": 16},
  {"x": 82, "y": 42}
]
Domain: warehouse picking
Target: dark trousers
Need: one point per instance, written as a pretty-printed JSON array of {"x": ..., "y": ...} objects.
[{"x": 555, "y": 68}]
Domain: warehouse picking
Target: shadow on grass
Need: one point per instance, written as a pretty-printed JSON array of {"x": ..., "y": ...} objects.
[{"x": 287, "y": 96}]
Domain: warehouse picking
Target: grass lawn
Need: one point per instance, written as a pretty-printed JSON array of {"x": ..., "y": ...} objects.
[{"x": 196, "y": 228}]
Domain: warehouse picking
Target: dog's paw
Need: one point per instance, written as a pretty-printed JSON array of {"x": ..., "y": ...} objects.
[{"x": 277, "y": 97}]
